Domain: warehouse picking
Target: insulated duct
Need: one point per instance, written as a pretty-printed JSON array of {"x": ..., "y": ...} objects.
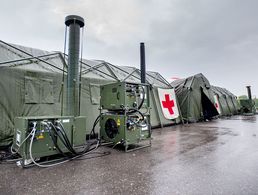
[
  {"x": 249, "y": 92},
  {"x": 143, "y": 65},
  {"x": 74, "y": 23}
]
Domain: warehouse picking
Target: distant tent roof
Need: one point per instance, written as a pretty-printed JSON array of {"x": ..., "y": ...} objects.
[
  {"x": 227, "y": 100},
  {"x": 195, "y": 97}
]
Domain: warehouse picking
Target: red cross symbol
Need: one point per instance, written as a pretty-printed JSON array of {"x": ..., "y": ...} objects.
[{"x": 169, "y": 104}]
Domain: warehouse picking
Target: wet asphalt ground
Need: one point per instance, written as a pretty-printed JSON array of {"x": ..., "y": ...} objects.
[{"x": 217, "y": 157}]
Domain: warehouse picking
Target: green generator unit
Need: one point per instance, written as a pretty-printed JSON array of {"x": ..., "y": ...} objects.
[
  {"x": 125, "y": 115},
  {"x": 45, "y": 142},
  {"x": 247, "y": 106},
  {"x": 124, "y": 130},
  {"x": 123, "y": 95}
]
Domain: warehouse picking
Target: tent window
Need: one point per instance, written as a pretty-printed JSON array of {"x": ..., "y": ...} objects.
[
  {"x": 39, "y": 91},
  {"x": 95, "y": 94},
  {"x": 32, "y": 90},
  {"x": 47, "y": 91}
]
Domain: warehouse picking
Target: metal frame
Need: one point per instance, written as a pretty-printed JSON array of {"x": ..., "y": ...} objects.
[
  {"x": 95, "y": 69},
  {"x": 31, "y": 55},
  {"x": 137, "y": 145}
]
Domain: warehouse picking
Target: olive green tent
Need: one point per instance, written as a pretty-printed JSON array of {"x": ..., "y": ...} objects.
[
  {"x": 196, "y": 99},
  {"x": 227, "y": 101},
  {"x": 33, "y": 84},
  {"x": 236, "y": 107}
]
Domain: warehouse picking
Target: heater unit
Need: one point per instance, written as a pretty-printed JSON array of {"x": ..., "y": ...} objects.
[
  {"x": 125, "y": 117},
  {"x": 37, "y": 137}
]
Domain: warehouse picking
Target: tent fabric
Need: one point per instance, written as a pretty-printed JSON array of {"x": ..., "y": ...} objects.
[
  {"x": 32, "y": 84},
  {"x": 234, "y": 101},
  {"x": 196, "y": 99},
  {"x": 228, "y": 101}
]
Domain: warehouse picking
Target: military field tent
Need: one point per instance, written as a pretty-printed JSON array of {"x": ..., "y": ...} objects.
[
  {"x": 31, "y": 85},
  {"x": 227, "y": 101},
  {"x": 233, "y": 98},
  {"x": 196, "y": 99}
]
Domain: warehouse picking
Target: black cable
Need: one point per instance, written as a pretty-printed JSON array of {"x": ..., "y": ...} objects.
[
  {"x": 79, "y": 158},
  {"x": 143, "y": 98},
  {"x": 131, "y": 111},
  {"x": 101, "y": 154},
  {"x": 61, "y": 138},
  {"x": 86, "y": 149},
  {"x": 54, "y": 139},
  {"x": 64, "y": 139},
  {"x": 58, "y": 132},
  {"x": 94, "y": 125},
  {"x": 8, "y": 156},
  {"x": 62, "y": 134}
]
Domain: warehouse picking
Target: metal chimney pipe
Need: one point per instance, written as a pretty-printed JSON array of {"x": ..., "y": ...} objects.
[
  {"x": 143, "y": 65},
  {"x": 75, "y": 23},
  {"x": 249, "y": 92}
]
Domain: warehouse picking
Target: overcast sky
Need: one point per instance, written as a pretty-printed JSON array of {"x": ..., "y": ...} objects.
[{"x": 218, "y": 38}]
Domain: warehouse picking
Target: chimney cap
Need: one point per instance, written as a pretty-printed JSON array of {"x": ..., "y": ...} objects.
[{"x": 74, "y": 19}]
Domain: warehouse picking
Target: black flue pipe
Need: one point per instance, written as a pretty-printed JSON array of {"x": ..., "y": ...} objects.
[
  {"x": 249, "y": 92},
  {"x": 74, "y": 23},
  {"x": 143, "y": 65}
]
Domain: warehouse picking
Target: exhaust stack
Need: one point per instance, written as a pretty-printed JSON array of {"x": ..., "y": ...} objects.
[
  {"x": 143, "y": 65},
  {"x": 249, "y": 92},
  {"x": 74, "y": 23}
]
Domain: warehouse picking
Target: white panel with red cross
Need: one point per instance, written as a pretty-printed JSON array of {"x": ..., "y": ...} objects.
[
  {"x": 217, "y": 105},
  {"x": 168, "y": 103}
]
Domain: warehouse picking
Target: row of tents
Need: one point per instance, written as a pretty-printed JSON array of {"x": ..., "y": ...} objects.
[
  {"x": 33, "y": 84},
  {"x": 198, "y": 100}
]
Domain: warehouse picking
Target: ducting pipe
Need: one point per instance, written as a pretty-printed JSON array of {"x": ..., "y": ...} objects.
[
  {"x": 249, "y": 92},
  {"x": 143, "y": 65},
  {"x": 74, "y": 23}
]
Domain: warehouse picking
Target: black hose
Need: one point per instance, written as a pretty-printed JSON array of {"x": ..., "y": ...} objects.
[
  {"x": 143, "y": 98},
  {"x": 94, "y": 125},
  {"x": 62, "y": 139},
  {"x": 58, "y": 132},
  {"x": 131, "y": 111},
  {"x": 67, "y": 141},
  {"x": 70, "y": 148},
  {"x": 54, "y": 139}
]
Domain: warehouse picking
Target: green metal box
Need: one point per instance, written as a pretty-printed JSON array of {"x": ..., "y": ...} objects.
[
  {"x": 125, "y": 117},
  {"x": 247, "y": 106},
  {"x": 42, "y": 145},
  {"x": 121, "y": 95},
  {"x": 115, "y": 128}
]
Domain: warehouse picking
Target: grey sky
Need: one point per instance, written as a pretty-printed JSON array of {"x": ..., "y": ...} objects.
[{"x": 183, "y": 37}]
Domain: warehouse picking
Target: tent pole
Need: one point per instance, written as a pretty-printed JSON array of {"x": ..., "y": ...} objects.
[
  {"x": 156, "y": 108},
  {"x": 188, "y": 107},
  {"x": 63, "y": 75},
  {"x": 96, "y": 69},
  {"x": 228, "y": 104},
  {"x": 179, "y": 110},
  {"x": 80, "y": 79},
  {"x": 29, "y": 58},
  {"x": 31, "y": 55}
]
